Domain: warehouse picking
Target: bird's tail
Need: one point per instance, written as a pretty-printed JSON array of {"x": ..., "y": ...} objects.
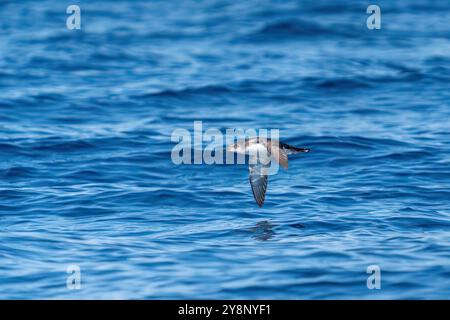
[{"x": 293, "y": 149}]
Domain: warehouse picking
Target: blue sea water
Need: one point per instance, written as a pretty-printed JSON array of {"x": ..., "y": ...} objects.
[{"x": 86, "y": 176}]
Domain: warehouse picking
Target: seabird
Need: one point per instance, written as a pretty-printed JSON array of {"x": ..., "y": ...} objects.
[{"x": 261, "y": 151}]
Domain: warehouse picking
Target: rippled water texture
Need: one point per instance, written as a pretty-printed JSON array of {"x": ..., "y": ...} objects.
[{"x": 85, "y": 171}]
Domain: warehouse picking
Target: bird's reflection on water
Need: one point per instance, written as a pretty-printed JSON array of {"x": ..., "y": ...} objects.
[{"x": 263, "y": 230}]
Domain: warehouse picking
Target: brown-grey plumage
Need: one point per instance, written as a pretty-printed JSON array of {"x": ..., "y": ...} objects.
[
  {"x": 258, "y": 169},
  {"x": 258, "y": 181}
]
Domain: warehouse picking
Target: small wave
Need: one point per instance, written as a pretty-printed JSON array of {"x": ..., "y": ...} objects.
[
  {"x": 8, "y": 147},
  {"x": 295, "y": 29},
  {"x": 340, "y": 83},
  {"x": 17, "y": 172},
  {"x": 291, "y": 27},
  {"x": 186, "y": 92},
  {"x": 407, "y": 155},
  {"x": 348, "y": 142},
  {"x": 64, "y": 146}
]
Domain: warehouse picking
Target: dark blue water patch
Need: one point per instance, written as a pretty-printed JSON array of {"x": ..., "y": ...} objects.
[
  {"x": 76, "y": 210},
  {"x": 59, "y": 145},
  {"x": 10, "y": 148},
  {"x": 17, "y": 172},
  {"x": 290, "y": 27},
  {"x": 283, "y": 91},
  {"x": 13, "y": 194},
  {"x": 294, "y": 29},
  {"x": 339, "y": 84},
  {"x": 420, "y": 222}
]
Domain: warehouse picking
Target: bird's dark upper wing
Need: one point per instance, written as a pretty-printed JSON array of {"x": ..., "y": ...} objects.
[
  {"x": 258, "y": 181},
  {"x": 278, "y": 153}
]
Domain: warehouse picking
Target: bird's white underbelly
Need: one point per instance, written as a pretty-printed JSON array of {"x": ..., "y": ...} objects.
[
  {"x": 256, "y": 147},
  {"x": 259, "y": 151}
]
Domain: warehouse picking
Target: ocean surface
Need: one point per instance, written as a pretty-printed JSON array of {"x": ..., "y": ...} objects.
[{"x": 87, "y": 180}]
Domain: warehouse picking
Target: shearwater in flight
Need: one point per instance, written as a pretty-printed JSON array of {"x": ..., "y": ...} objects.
[{"x": 261, "y": 152}]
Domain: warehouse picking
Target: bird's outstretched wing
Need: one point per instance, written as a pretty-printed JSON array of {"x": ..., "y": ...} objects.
[{"x": 258, "y": 181}]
